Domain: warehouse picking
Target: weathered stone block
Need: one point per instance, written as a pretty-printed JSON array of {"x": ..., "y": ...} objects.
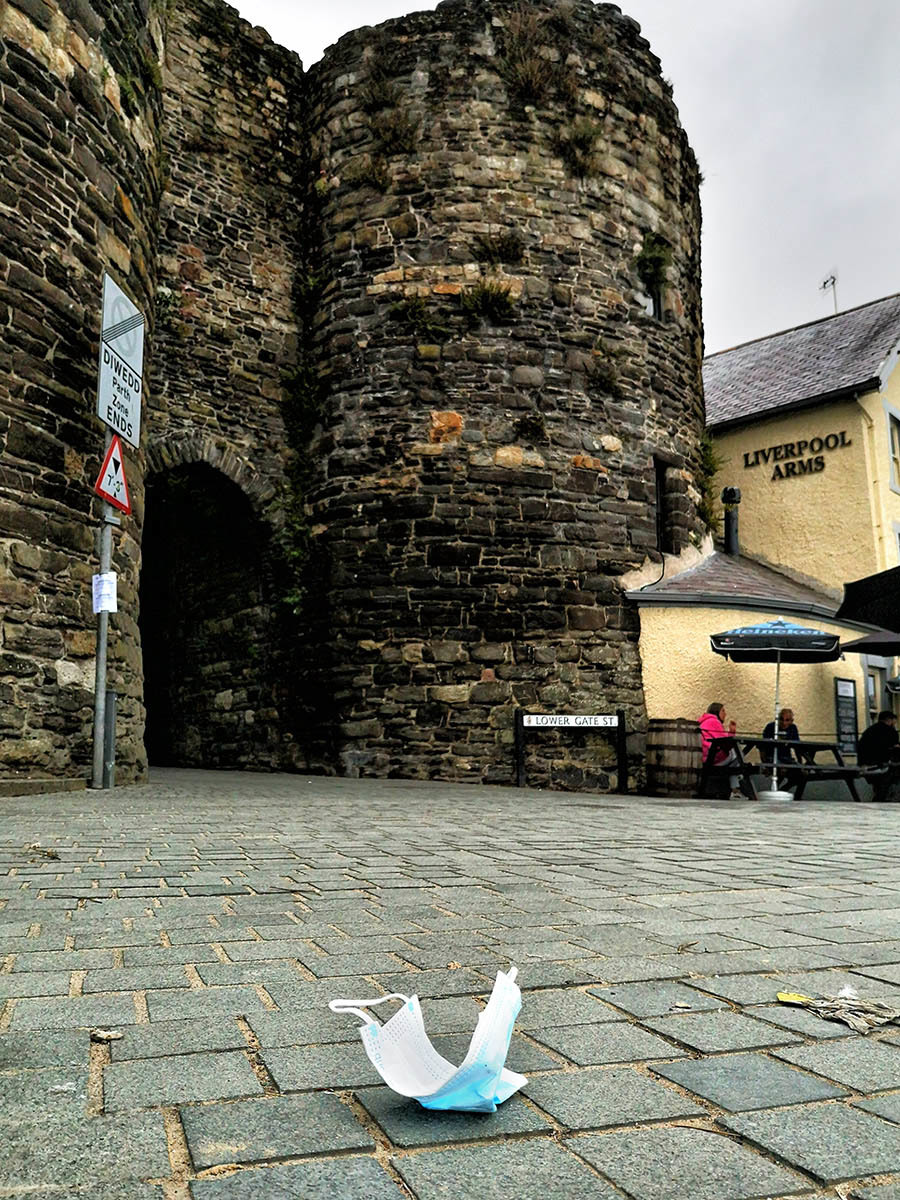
[
  {"x": 586, "y": 618},
  {"x": 453, "y": 694}
]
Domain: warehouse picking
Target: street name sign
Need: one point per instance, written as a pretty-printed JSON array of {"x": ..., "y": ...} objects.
[
  {"x": 119, "y": 382},
  {"x": 569, "y": 721},
  {"x": 111, "y": 483}
]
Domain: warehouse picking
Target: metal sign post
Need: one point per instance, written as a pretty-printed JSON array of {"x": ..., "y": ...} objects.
[
  {"x": 109, "y": 519},
  {"x": 119, "y": 388}
]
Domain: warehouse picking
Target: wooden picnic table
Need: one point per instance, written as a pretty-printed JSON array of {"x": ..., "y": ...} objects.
[{"x": 799, "y": 773}]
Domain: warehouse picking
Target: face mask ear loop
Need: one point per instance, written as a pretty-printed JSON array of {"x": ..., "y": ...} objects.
[
  {"x": 356, "y": 1006},
  {"x": 512, "y": 973}
]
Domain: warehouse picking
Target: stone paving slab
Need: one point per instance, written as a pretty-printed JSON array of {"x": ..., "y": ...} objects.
[
  {"x": 833, "y": 1143},
  {"x": 74, "y": 1012},
  {"x": 613, "y": 1042},
  {"x": 249, "y": 1131},
  {"x": 887, "y": 1107},
  {"x": 92, "y": 1151},
  {"x": 564, "y": 1007},
  {"x": 743, "y": 1081},
  {"x": 307, "y": 1067},
  {"x": 35, "y": 983},
  {"x": 164, "y": 1038},
  {"x": 525, "y": 1170},
  {"x": 349, "y": 1179},
  {"x": 30, "y": 959},
  {"x": 685, "y": 1164},
  {"x": 720, "y": 1030},
  {"x": 25, "y": 1051},
  {"x": 219, "y": 974},
  {"x": 180, "y": 1004},
  {"x": 861, "y": 1063},
  {"x": 26, "y": 1095},
  {"x": 595, "y": 1099},
  {"x": 656, "y": 998},
  {"x": 178, "y": 1079}
]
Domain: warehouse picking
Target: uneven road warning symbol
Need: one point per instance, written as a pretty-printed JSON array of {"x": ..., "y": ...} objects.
[{"x": 111, "y": 484}]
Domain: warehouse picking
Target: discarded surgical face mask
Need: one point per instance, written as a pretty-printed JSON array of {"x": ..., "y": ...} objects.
[{"x": 404, "y": 1057}]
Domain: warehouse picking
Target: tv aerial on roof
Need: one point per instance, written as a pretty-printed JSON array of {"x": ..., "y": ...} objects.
[{"x": 830, "y": 281}]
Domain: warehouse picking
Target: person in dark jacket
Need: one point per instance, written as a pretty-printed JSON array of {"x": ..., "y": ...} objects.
[
  {"x": 878, "y": 747},
  {"x": 879, "y": 743},
  {"x": 787, "y": 732}
]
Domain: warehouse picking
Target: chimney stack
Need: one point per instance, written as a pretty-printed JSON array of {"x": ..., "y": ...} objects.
[{"x": 731, "y": 498}]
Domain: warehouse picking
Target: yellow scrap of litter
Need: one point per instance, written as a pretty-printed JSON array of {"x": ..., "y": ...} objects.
[{"x": 848, "y": 1007}]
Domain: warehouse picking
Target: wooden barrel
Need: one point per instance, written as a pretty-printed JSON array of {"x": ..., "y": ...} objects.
[{"x": 674, "y": 757}]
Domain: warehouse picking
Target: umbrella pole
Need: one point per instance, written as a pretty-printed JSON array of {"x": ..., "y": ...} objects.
[{"x": 775, "y": 752}]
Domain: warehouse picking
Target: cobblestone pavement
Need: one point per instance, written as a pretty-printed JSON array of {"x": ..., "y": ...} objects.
[{"x": 208, "y": 919}]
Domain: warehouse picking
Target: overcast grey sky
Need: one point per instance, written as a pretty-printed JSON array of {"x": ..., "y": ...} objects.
[{"x": 793, "y": 110}]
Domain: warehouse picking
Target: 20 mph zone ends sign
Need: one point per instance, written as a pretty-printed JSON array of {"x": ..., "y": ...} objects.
[{"x": 119, "y": 385}]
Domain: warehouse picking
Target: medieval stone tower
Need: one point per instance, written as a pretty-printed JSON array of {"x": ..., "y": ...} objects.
[{"x": 424, "y": 339}]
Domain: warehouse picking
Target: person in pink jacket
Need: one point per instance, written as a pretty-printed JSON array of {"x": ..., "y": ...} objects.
[{"x": 712, "y": 725}]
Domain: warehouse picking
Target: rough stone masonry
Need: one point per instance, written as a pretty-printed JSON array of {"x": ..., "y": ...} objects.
[{"x": 424, "y": 341}]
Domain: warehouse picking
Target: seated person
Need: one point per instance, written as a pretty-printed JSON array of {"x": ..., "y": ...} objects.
[
  {"x": 712, "y": 725},
  {"x": 787, "y": 732},
  {"x": 878, "y": 747},
  {"x": 879, "y": 744},
  {"x": 786, "y": 754}
]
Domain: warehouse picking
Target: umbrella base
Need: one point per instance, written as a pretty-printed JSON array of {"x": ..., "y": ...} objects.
[{"x": 781, "y": 796}]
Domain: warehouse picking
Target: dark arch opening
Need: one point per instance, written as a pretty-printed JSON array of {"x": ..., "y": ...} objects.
[{"x": 205, "y": 624}]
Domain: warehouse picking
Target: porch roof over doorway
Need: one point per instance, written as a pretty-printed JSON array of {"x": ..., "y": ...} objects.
[{"x": 727, "y": 581}]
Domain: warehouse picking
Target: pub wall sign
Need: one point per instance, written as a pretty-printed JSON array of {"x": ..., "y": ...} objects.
[{"x": 790, "y": 458}]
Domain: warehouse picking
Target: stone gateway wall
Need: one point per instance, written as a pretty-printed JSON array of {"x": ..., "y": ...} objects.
[
  {"x": 80, "y": 147},
  {"x": 425, "y": 379}
]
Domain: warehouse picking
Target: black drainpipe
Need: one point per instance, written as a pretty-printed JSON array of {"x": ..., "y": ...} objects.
[{"x": 731, "y": 498}]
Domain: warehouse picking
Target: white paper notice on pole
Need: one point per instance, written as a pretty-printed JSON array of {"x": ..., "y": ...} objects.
[
  {"x": 119, "y": 382},
  {"x": 105, "y": 598}
]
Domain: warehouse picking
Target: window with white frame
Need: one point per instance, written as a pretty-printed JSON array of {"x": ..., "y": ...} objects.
[
  {"x": 894, "y": 428},
  {"x": 876, "y": 678}
]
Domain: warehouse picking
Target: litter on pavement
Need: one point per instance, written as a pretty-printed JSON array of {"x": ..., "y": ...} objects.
[
  {"x": 847, "y": 1006},
  {"x": 402, "y": 1054}
]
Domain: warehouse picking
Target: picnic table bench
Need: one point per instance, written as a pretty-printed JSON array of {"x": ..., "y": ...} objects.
[{"x": 798, "y": 773}]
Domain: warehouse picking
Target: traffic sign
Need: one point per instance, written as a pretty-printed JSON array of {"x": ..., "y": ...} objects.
[
  {"x": 119, "y": 383},
  {"x": 111, "y": 483}
]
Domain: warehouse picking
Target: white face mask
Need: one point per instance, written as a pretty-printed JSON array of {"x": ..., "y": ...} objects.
[{"x": 404, "y": 1057}]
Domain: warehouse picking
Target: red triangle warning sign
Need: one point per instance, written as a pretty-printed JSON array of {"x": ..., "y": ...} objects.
[{"x": 111, "y": 483}]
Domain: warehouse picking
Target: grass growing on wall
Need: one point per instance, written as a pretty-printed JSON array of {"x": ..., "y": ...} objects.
[
  {"x": 711, "y": 463},
  {"x": 488, "y": 300}
]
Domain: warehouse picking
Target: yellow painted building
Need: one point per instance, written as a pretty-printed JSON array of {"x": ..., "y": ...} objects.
[{"x": 807, "y": 425}]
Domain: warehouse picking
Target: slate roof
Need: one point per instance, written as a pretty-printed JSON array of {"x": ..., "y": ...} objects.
[
  {"x": 806, "y": 365},
  {"x": 722, "y": 580}
]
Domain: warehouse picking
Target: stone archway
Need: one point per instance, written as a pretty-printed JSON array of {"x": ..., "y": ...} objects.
[{"x": 205, "y": 619}]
